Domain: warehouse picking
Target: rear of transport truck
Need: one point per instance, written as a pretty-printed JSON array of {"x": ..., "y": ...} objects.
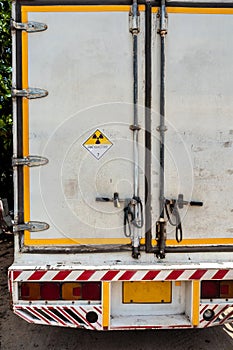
[{"x": 123, "y": 163}]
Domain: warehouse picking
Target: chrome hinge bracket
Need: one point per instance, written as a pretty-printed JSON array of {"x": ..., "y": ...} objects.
[
  {"x": 29, "y": 93},
  {"x": 134, "y": 19},
  {"x": 31, "y": 226},
  {"x": 30, "y": 161},
  {"x": 29, "y": 27},
  {"x": 163, "y": 17}
]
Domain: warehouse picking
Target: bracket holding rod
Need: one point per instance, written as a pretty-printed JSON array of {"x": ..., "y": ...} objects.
[{"x": 162, "y": 129}]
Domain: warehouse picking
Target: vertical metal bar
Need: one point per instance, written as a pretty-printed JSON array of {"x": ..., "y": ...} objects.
[
  {"x": 135, "y": 100},
  {"x": 161, "y": 224},
  {"x": 148, "y": 220},
  {"x": 135, "y": 95},
  {"x": 14, "y": 110},
  {"x": 137, "y": 209},
  {"x": 18, "y": 186},
  {"x": 162, "y": 108}
]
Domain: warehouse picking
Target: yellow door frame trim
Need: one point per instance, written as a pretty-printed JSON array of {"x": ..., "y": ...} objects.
[
  {"x": 196, "y": 10},
  {"x": 200, "y": 11},
  {"x": 80, "y": 8},
  {"x": 25, "y": 107},
  {"x": 102, "y": 241},
  {"x": 126, "y": 8}
]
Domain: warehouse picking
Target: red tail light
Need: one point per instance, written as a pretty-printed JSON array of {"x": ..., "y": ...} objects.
[
  {"x": 216, "y": 289},
  {"x": 210, "y": 289},
  {"x": 30, "y": 291},
  {"x": 71, "y": 291},
  {"x": 91, "y": 291},
  {"x": 50, "y": 291},
  {"x": 226, "y": 289},
  {"x": 60, "y": 291}
]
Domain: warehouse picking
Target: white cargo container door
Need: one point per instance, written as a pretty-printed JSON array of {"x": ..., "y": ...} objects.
[
  {"x": 85, "y": 62},
  {"x": 199, "y": 137}
]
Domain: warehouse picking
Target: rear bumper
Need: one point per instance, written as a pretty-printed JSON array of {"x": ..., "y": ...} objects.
[
  {"x": 186, "y": 309},
  {"x": 76, "y": 317}
]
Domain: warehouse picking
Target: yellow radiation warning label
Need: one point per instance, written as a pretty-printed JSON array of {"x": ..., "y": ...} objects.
[{"x": 97, "y": 144}]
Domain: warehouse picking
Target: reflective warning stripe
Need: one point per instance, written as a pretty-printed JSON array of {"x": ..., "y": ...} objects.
[
  {"x": 174, "y": 275},
  {"x": 37, "y": 275},
  {"x": 219, "y": 311},
  {"x": 197, "y": 275},
  {"x": 16, "y": 274},
  {"x": 219, "y": 317},
  {"x": 150, "y": 275},
  {"x": 127, "y": 275},
  {"x": 85, "y": 275},
  {"x": 59, "y": 315},
  {"x": 69, "y": 318},
  {"x": 122, "y": 275},
  {"x": 220, "y": 274},
  {"x": 61, "y": 275},
  {"x": 226, "y": 317},
  {"x": 109, "y": 276}
]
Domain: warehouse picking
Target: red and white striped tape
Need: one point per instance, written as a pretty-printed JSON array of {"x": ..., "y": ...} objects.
[
  {"x": 121, "y": 275},
  {"x": 64, "y": 316},
  {"x": 223, "y": 313}
]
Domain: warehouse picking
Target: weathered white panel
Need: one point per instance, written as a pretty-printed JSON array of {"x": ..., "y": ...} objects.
[
  {"x": 199, "y": 107},
  {"x": 88, "y": 72}
]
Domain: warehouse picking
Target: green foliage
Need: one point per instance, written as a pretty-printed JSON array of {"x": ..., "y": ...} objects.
[{"x": 5, "y": 103}]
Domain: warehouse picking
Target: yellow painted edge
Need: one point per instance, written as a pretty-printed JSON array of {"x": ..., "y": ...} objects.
[
  {"x": 62, "y": 8},
  {"x": 99, "y": 241},
  {"x": 197, "y": 10},
  {"x": 126, "y": 8},
  {"x": 155, "y": 9},
  {"x": 106, "y": 304},
  {"x": 94, "y": 8},
  {"x": 198, "y": 241},
  {"x": 196, "y": 302},
  {"x": 25, "y": 107},
  {"x": 77, "y": 241}
]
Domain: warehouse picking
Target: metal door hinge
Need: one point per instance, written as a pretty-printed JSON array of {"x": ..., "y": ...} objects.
[
  {"x": 29, "y": 27},
  {"x": 31, "y": 226},
  {"x": 29, "y": 93},
  {"x": 134, "y": 19},
  {"x": 30, "y": 161},
  {"x": 163, "y": 18}
]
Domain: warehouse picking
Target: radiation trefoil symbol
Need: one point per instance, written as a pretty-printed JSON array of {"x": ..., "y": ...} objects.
[{"x": 97, "y": 144}]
